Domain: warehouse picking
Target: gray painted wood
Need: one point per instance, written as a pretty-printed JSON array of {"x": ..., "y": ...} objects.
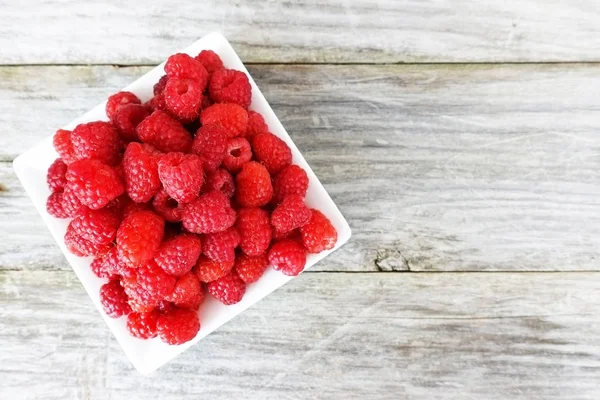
[{"x": 384, "y": 31}]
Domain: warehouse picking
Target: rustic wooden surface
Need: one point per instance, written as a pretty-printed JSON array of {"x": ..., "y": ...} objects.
[{"x": 457, "y": 178}]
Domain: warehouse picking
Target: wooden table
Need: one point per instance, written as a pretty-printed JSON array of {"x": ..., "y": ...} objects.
[{"x": 461, "y": 141}]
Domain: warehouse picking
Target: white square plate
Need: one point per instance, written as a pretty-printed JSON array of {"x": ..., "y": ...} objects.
[{"x": 148, "y": 355}]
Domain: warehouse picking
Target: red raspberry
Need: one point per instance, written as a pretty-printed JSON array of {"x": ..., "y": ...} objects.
[
  {"x": 167, "y": 207},
  {"x": 70, "y": 201},
  {"x": 181, "y": 176},
  {"x": 160, "y": 85},
  {"x": 228, "y": 289},
  {"x": 211, "y": 61},
  {"x": 140, "y": 299},
  {"x": 156, "y": 281},
  {"x": 143, "y": 325},
  {"x": 287, "y": 256},
  {"x": 183, "y": 66},
  {"x": 56, "y": 175},
  {"x": 63, "y": 145},
  {"x": 55, "y": 207},
  {"x": 128, "y": 118},
  {"x": 164, "y": 133},
  {"x": 232, "y": 117},
  {"x": 96, "y": 140},
  {"x": 97, "y": 226},
  {"x": 292, "y": 180},
  {"x": 221, "y": 246},
  {"x": 82, "y": 247},
  {"x": 164, "y": 306},
  {"x": 230, "y": 86},
  {"x": 114, "y": 300},
  {"x": 319, "y": 234},
  {"x": 256, "y": 124},
  {"x": 157, "y": 103},
  {"x": 95, "y": 184},
  {"x": 187, "y": 293},
  {"x": 109, "y": 266},
  {"x": 183, "y": 98},
  {"x": 209, "y": 213},
  {"x": 118, "y": 100},
  {"x": 140, "y": 166},
  {"x": 250, "y": 269},
  {"x": 255, "y": 230},
  {"x": 271, "y": 151},
  {"x": 208, "y": 270},
  {"x": 138, "y": 237},
  {"x": 222, "y": 181},
  {"x": 292, "y": 213},
  {"x": 238, "y": 153},
  {"x": 253, "y": 185},
  {"x": 178, "y": 255},
  {"x": 97, "y": 267},
  {"x": 210, "y": 144},
  {"x": 178, "y": 326}
]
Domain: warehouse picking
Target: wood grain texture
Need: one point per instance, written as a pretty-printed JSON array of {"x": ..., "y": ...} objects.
[
  {"x": 364, "y": 31},
  {"x": 324, "y": 336},
  {"x": 436, "y": 167}
]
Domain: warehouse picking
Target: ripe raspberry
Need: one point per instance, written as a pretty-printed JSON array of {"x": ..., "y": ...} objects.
[
  {"x": 178, "y": 326},
  {"x": 156, "y": 281},
  {"x": 114, "y": 300},
  {"x": 143, "y": 325},
  {"x": 208, "y": 270},
  {"x": 157, "y": 103},
  {"x": 178, "y": 255},
  {"x": 63, "y": 145},
  {"x": 55, "y": 207},
  {"x": 160, "y": 85},
  {"x": 292, "y": 213},
  {"x": 292, "y": 180},
  {"x": 187, "y": 293},
  {"x": 139, "y": 237},
  {"x": 238, "y": 153},
  {"x": 95, "y": 184},
  {"x": 256, "y": 124},
  {"x": 271, "y": 151},
  {"x": 82, "y": 247},
  {"x": 97, "y": 267},
  {"x": 221, "y": 246},
  {"x": 209, "y": 213},
  {"x": 250, "y": 269},
  {"x": 230, "y": 86},
  {"x": 183, "y": 66},
  {"x": 181, "y": 175},
  {"x": 140, "y": 299},
  {"x": 287, "y": 256},
  {"x": 255, "y": 230},
  {"x": 232, "y": 117},
  {"x": 253, "y": 185},
  {"x": 118, "y": 100},
  {"x": 183, "y": 98},
  {"x": 128, "y": 118},
  {"x": 210, "y": 144},
  {"x": 97, "y": 226},
  {"x": 140, "y": 166},
  {"x": 222, "y": 181},
  {"x": 167, "y": 207},
  {"x": 109, "y": 266},
  {"x": 96, "y": 140},
  {"x": 211, "y": 61},
  {"x": 164, "y": 306},
  {"x": 319, "y": 234},
  {"x": 228, "y": 289},
  {"x": 164, "y": 133},
  {"x": 70, "y": 202},
  {"x": 56, "y": 175}
]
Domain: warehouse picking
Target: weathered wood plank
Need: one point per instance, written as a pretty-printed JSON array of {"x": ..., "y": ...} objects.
[
  {"x": 302, "y": 31},
  {"x": 354, "y": 336},
  {"x": 436, "y": 167}
]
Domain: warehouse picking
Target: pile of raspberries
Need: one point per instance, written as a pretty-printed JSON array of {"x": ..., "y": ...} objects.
[{"x": 185, "y": 194}]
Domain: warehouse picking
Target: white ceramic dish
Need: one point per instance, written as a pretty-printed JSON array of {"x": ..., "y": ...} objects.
[{"x": 148, "y": 355}]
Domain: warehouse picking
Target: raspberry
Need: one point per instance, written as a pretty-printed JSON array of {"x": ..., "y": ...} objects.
[
  {"x": 183, "y": 98},
  {"x": 140, "y": 166},
  {"x": 96, "y": 140},
  {"x": 164, "y": 133},
  {"x": 250, "y": 269},
  {"x": 222, "y": 181},
  {"x": 178, "y": 255},
  {"x": 63, "y": 145},
  {"x": 228, "y": 289},
  {"x": 140, "y": 299},
  {"x": 232, "y": 117},
  {"x": 271, "y": 151},
  {"x": 208, "y": 270},
  {"x": 157, "y": 103},
  {"x": 139, "y": 237},
  {"x": 143, "y": 325},
  {"x": 253, "y": 185},
  {"x": 109, "y": 266},
  {"x": 82, "y": 247},
  {"x": 95, "y": 184},
  {"x": 230, "y": 86},
  {"x": 97, "y": 226},
  {"x": 70, "y": 202},
  {"x": 292, "y": 213},
  {"x": 160, "y": 85},
  {"x": 156, "y": 281},
  {"x": 211, "y": 61},
  {"x": 187, "y": 293},
  {"x": 97, "y": 267},
  {"x": 56, "y": 175},
  {"x": 164, "y": 306},
  {"x": 167, "y": 207},
  {"x": 255, "y": 230},
  {"x": 181, "y": 176},
  {"x": 183, "y": 66},
  {"x": 209, "y": 213},
  {"x": 178, "y": 326},
  {"x": 221, "y": 246},
  {"x": 287, "y": 256},
  {"x": 55, "y": 207},
  {"x": 210, "y": 144},
  {"x": 128, "y": 118},
  {"x": 118, "y": 100},
  {"x": 114, "y": 300},
  {"x": 319, "y": 234},
  {"x": 256, "y": 124},
  {"x": 292, "y": 180},
  {"x": 238, "y": 153}
]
